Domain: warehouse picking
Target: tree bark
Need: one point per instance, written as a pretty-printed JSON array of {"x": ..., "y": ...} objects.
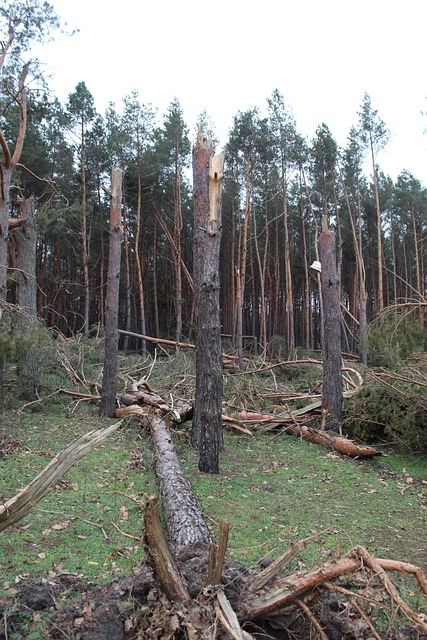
[
  {"x": 24, "y": 238},
  {"x": 109, "y": 381},
  {"x": 332, "y": 355},
  {"x": 184, "y": 519},
  {"x": 207, "y": 425}
]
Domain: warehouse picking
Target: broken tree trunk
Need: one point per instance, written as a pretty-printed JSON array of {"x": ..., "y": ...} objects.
[
  {"x": 24, "y": 239},
  {"x": 109, "y": 379},
  {"x": 206, "y": 435}
]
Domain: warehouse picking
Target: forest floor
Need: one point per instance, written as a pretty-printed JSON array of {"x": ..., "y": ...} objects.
[{"x": 273, "y": 489}]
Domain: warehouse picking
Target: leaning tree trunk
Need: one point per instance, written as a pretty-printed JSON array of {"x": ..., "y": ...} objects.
[
  {"x": 207, "y": 425},
  {"x": 332, "y": 355},
  {"x": 109, "y": 381}
]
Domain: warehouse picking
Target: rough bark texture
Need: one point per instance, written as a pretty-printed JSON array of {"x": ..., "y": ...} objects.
[
  {"x": 207, "y": 425},
  {"x": 24, "y": 238},
  {"x": 109, "y": 381},
  {"x": 332, "y": 356},
  {"x": 185, "y": 522},
  {"x": 5, "y": 176}
]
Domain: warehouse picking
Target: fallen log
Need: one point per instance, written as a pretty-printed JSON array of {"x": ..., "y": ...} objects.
[
  {"x": 184, "y": 519},
  {"x": 21, "y": 504},
  {"x": 336, "y": 443},
  {"x": 342, "y": 445}
]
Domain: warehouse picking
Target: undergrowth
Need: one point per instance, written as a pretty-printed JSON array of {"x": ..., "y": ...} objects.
[{"x": 273, "y": 489}]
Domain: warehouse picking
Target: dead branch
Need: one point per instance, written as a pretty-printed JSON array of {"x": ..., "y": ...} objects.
[
  {"x": 316, "y": 624},
  {"x": 376, "y": 568},
  {"x": 335, "y": 443},
  {"x": 81, "y": 396},
  {"x": 21, "y": 504},
  {"x": 171, "y": 343},
  {"x": 289, "y": 589}
]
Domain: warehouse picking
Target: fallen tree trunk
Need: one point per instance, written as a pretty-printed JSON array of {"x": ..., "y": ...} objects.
[
  {"x": 336, "y": 443},
  {"x": 342, "y": 445},
  {"x": 184, "y": 519}
]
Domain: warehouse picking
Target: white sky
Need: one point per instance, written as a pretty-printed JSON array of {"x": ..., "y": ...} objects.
[{"x": 229, "y": 55}]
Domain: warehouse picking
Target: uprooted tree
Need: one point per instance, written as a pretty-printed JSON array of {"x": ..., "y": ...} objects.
[{"x": 195, "y": 592}]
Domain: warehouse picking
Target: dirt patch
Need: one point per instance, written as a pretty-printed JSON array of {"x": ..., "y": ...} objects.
[
  {"x": 134, "y": 607},
  {"x": 8, "y": 445}
]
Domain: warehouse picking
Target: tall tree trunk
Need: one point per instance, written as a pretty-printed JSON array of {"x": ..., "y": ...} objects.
[
  {"x": 24, "y": 239},
  {"x": 207, "y": 423},
  {"x": 262, "y": 268},
  {"x": 85, "y": 257},
  {"x": 316, "y": 250},
  {"x": 128, "y": 285},
  {"x": 290, "y": 323},
  {"x": 241, "y": 268},
  {"x": 380, "y": 289},
  {"x": 155, "y": 310},
  {"x": 177, "y": 239},
  {"x": 6, "y": 173},
  {"x": 101, "y": 317},
  {"x": 109, "y": 380},
  {"x": 140, "y": 269},
  {"x": 358, "y": 250},
  {"x": 332, "y": 355}
]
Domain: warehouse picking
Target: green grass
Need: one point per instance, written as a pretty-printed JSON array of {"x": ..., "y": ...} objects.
[
  {"x": 274, "y": 490},
  {"x": 70, "y": 529}
]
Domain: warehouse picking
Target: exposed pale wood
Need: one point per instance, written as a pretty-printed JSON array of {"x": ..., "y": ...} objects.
[
  {"x": 81, "y": 396},
  {"x": 217, "y": 553},
  {"x": 21, "y": 504},
  {"x": 229, "y": 618},
  {"x": 157, "y": 546},
  {"x": 172, "y": 343},
  {"x": 278, "y": 565}
]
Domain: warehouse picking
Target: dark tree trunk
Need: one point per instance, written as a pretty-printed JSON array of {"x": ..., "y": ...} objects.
[
  {"x": 207, "y": 424},
  {"x": 332, "y": 356},
  {"x": 109, "y": 381}
]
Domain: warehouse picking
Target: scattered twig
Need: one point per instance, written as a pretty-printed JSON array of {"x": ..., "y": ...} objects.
[
  {"x": 125, "y": 535},
  {"x": 316, "y": 624},
  {"x": 364, "y": 617}
]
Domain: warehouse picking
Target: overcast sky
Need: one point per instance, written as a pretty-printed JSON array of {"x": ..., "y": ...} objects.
[{"x": 229, "y": 55}]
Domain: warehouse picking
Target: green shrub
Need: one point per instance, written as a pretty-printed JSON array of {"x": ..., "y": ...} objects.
[
  {"x": 393, "y": 338},
  {"x": 393, "y": 411}
]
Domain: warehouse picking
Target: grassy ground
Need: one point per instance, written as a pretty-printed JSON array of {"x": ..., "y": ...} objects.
[{"x": 273, "y": 489}]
